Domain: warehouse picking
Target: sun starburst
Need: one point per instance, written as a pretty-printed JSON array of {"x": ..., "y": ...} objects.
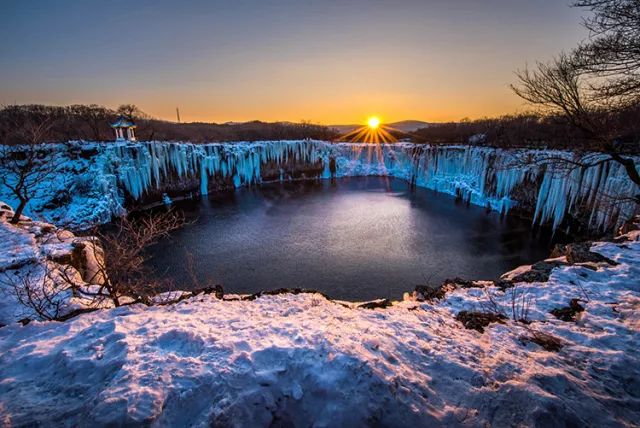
[{"x": 373, "y": 122}]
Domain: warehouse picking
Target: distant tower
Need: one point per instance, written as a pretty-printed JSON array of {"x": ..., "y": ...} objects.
[
  {"x": 122, "y": 124},
  {"x": 178, "y": 114}
]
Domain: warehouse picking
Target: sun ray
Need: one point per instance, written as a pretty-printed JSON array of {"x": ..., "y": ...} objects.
[{"x": 374, "y": 132}]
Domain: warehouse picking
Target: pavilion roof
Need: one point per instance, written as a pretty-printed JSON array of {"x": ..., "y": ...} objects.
[{"x": 123, "y": 122}]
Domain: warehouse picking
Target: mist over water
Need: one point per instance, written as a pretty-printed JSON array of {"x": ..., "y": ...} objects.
[{"x": 353, "y": 238}]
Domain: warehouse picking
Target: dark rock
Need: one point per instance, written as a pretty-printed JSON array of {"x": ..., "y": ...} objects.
[
  {"x": 375, "y": 304},
  {"x": 332, "y": 166},
  {"x": 75, "y": 313},
  {"x": 559, "y": 250},
  {"x": 216, "y": 289},
  {"x": 24, "y": 321},
  {"x": 547, "y": 341},
  {"x": 63, "y": 259},
  {"x": 88, "y": 153},
  {"x": 60, "y": 199},
  {"x": 425, "y": 293},
  {"x": 568, "y": 313},
  {"x": 580, "y": 252},
  {"x": 478, "y": 320},
  {"x": 503, "y": 284},
  {"x": 630, "y": 225},
  {"x": 47, "y": 229},
  {"x": 464, "y": 283},
  {"x": 76, "y": 258},
  {"x": 539, "y": 272}
]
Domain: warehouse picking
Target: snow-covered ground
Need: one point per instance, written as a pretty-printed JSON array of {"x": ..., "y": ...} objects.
[{"x": 302, "y": 360}]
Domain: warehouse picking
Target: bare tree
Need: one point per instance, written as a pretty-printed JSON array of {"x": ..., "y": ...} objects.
[
  {"x": 612, "y": 51},
  {"x": 114, "y": 270},
  {"x": 37, "y": 290},
  {"x": 132, "y": 111},
  {"x": 593, "y": 84},
  {"x": 95, "y": 117},
  {"x": 121, "y": 268},
  {"x": 25, "y": 166}
]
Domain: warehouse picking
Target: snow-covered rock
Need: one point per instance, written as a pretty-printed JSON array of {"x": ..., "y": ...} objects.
[{"x": 52, "y": 264}]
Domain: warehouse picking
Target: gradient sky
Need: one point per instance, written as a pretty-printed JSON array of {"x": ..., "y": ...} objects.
[{"x": 324, "y": 61}]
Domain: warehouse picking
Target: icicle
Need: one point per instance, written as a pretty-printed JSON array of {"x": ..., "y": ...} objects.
[{"x": 476, "y": 174}]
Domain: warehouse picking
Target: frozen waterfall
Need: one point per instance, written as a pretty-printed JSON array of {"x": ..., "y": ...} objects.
[{"x": 482, "y": 176}]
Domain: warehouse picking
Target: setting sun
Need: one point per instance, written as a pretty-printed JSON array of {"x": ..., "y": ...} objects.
[{"x": 373, "y": 122}]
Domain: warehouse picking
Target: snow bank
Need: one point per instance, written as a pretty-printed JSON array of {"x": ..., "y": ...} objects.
[
  {"x": 94, "y": 180},
  {"x": 300, "y": 359},
  {"x": 44, "y": 256}
]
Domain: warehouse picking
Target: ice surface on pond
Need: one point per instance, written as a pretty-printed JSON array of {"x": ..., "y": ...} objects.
[{"x": 93, "y": 188}]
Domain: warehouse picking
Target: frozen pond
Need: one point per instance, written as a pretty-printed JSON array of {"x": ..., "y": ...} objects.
[{"x": 352, "y": 238}]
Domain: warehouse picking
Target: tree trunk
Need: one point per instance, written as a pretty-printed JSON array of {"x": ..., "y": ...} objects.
[{"x": 18, "y": 213}]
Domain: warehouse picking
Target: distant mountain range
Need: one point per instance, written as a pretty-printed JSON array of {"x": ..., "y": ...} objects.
[{"x": 403, "y": 125}]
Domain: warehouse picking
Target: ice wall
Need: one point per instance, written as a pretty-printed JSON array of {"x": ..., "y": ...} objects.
[
  {"x": 92, "y": 179},
  {"x": 481, "y": 176}
]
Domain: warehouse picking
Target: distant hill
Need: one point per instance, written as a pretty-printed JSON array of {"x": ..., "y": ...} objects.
[{"x": 403, "y": 125}]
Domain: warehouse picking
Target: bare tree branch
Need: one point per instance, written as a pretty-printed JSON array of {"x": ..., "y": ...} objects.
[{"x": 28, "y": 165}]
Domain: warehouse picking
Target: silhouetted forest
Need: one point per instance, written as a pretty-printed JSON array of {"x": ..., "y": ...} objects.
[
  {"x": 532, "y": 130},
  {"x": 92, "y": 123}
]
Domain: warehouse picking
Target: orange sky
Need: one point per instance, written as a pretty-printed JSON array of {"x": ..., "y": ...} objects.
[{"x": 327, "y": 62}]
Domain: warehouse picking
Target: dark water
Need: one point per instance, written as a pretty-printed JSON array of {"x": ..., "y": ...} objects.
[{"x": 354, "y": 239}]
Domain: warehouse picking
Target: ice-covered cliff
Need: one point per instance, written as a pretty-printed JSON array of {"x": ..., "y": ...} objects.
[
  {"x": 499, "y": 179},
  {"x": 482, "y": 176}
]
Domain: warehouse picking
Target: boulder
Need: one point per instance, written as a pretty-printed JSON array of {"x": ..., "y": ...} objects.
[
  {"x": 580, "y": 252},
  {"x": 538, "y": 272}
]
